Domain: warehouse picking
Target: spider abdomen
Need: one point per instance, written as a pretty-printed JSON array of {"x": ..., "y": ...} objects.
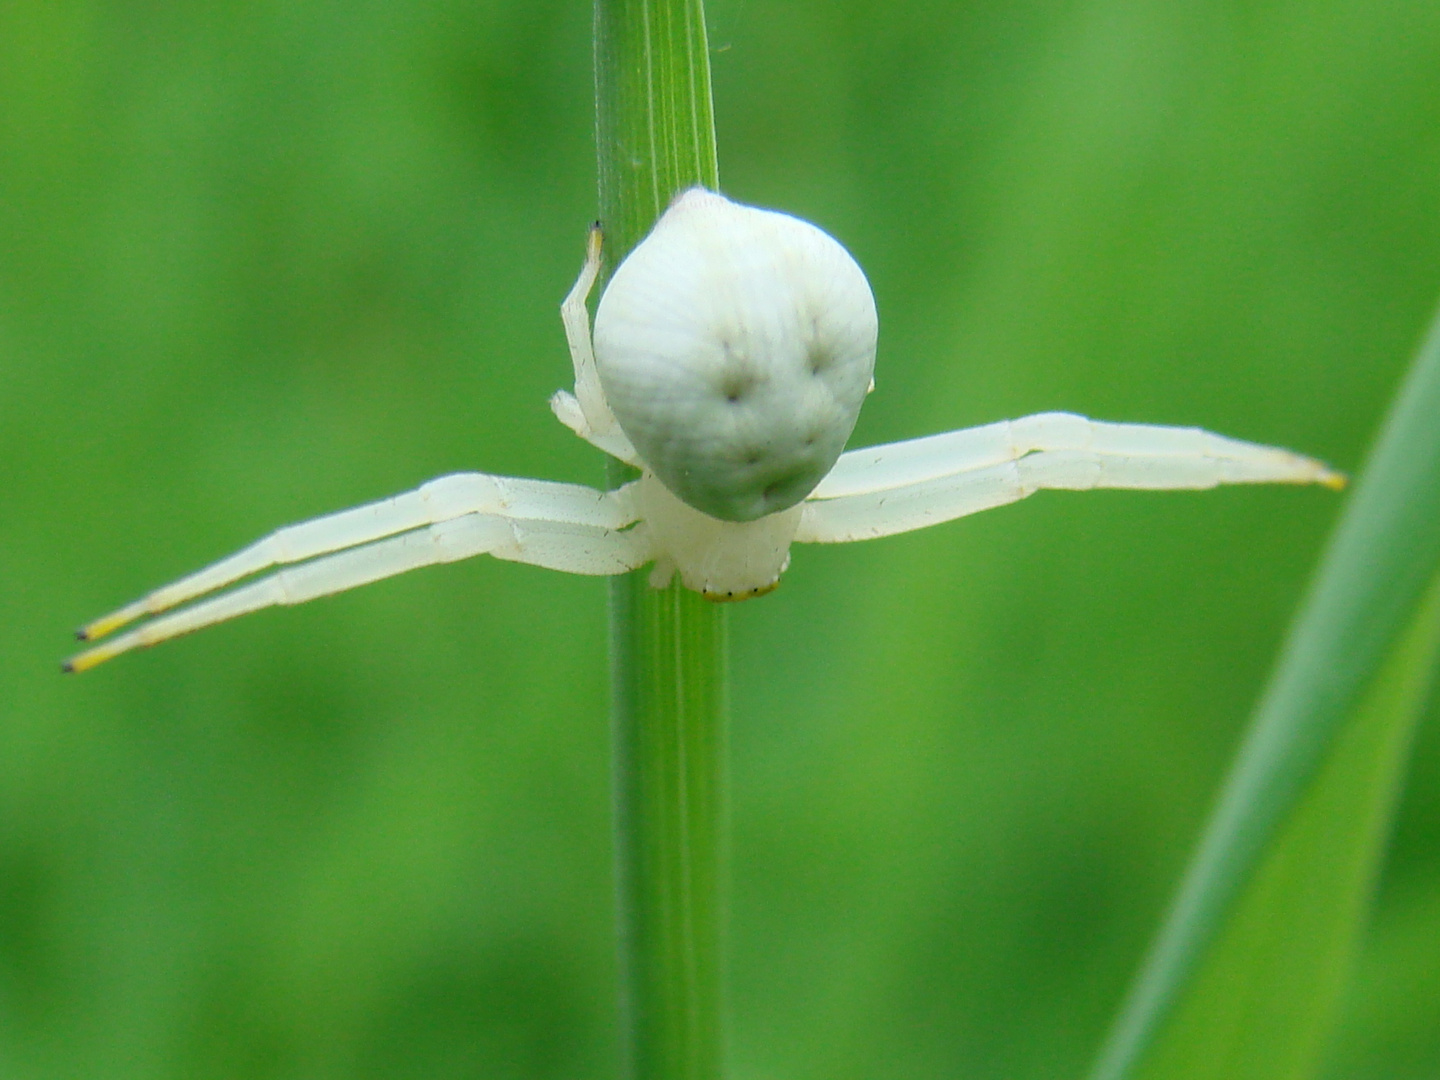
[{"x": 735, "y": 347}]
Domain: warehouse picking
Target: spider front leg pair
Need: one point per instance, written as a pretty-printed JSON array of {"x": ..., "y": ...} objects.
[{"x": 730, "y": 355}]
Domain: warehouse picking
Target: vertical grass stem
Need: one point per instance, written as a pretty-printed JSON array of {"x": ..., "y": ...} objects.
[{"x": 655, "y": 137}]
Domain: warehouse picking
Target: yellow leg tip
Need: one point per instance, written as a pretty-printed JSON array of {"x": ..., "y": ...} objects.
[
  {"x": 100, "y": 627},
  {"x": 87, "y": 660}
]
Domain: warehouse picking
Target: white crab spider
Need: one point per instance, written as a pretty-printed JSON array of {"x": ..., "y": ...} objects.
[{"x": 731, "y": 353}]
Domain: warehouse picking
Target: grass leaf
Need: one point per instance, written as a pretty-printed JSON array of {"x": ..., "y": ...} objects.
[
  {"x": 1327, "y": 687},
  {"x": 1261, "y": 1001}
]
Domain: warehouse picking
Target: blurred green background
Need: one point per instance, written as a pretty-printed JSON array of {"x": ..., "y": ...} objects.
[{"x": 263, "y": 261}]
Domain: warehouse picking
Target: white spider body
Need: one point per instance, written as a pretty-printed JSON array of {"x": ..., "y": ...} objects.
[
  {"x": 735, "y": 347},
  {"x": 724, "y": 560},
  {"x": 718, "y": 298}
]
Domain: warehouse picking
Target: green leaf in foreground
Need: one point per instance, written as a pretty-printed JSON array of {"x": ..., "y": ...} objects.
[
  {"x": 1262, "y": 1000},
  {"x": 1326, "y": 688}
]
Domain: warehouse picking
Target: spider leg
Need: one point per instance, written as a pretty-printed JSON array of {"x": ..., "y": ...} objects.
[
  {"x": 881, "y": 490},
  {"x": 586, "y": 412},
  {"x": 579, "y": 548},
  {"x": 440, "y": 500}
]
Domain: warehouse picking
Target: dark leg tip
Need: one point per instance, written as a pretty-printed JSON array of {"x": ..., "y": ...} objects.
[
  {"x": 67, "y": 667},
  {"x": 81, "y": 635}
]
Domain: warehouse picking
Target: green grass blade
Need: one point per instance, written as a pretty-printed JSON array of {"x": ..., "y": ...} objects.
[
  {"x": 654, "y": 119},
  {"x": 669, "y": 658},
  {"x": 1261, "y": 1003},
  {"x": 655, "y": 136},
  {"x": 1369, "y": 587}
]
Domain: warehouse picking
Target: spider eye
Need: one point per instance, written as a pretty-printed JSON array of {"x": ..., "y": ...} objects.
[{"x": 735, "y": 347}]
